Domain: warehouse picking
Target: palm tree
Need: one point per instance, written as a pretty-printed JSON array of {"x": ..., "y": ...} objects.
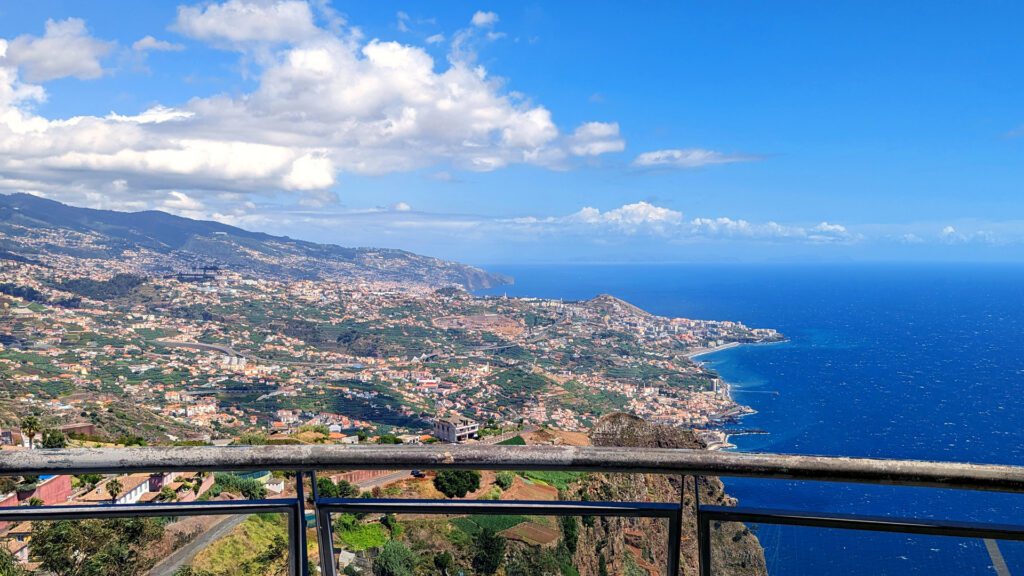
[
  {"x": 30, "y": 426},
  {"x": 114, "y": 488}
]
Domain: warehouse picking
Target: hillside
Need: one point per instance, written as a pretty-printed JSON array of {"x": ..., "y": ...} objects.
[{"x": 39, "y": 229}]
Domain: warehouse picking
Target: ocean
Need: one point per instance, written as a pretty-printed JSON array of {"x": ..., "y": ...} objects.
[{"x": 921, "y": 361}]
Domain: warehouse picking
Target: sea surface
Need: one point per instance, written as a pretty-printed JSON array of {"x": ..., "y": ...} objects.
[{"x": 890, "y": 361}]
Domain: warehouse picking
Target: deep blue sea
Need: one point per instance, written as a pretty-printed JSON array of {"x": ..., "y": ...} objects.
[{"x": 895, "y": 361}]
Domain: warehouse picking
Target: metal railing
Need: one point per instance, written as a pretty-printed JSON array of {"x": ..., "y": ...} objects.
[{"x": 306, "y": 461}]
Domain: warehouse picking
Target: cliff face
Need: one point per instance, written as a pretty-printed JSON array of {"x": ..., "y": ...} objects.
[{"x": 637, "y": 546}]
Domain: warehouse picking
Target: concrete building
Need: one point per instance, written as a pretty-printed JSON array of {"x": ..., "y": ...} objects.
[{"x": 455, "y": 429}]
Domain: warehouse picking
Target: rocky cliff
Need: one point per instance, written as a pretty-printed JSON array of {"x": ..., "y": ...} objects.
[{"x": 637, "y": 546}]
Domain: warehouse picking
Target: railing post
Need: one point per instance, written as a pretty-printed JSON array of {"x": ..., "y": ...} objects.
[
  {"x": 293, "y": 537},
  {"x": 300, "y": 513},
  {"x": 675, "y": 532},
  {"x": 703, "y": 533},
  {"x": 325, "y": 539}
]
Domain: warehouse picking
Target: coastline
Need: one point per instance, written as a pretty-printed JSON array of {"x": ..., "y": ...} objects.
[
  {"x": 718, "y": 439},
  {"x": 704, "y": 351}
]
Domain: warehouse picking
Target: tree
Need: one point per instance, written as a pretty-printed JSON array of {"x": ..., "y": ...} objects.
[
  {"x": 95, "y": 547},
  {"x": 9, "y": 565},
  {"x": 347, "y": 489},
  {"x": 252, "y": 439},
  {"x": 131, "y": 440},
  {"x": 54, "y": 439},
  {"x": 114, "y": 489},
  {"x": 167, "y": 494},
  {"x": 30, "y": 427},
  {"x": 7, "y": 484},
  {"x": 444, "y": 562},
  {"x": 570, "y": 533},
  {"x": 602, "y": 565},
  {"x": 457, "y": 483},
  {"x": 388, "y": 439},
  {"x": 504, "y": 479},
  {"x": 35, "y": 501},
  {"x": 89, "y": 480},
  {"x": 490, "y": 552},
  {"x": 395, "y": 559},
  {"x": 326, "y": 488}
]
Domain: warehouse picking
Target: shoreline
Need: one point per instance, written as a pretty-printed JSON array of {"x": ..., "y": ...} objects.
[
  {"x": 719, "y": 439},
  {"x": 704, "y": 351}
]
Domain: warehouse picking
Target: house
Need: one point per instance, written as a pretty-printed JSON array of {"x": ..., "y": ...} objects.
[
  {"x": 455, "y": 429},
  {"x": 133, "y": 486}
]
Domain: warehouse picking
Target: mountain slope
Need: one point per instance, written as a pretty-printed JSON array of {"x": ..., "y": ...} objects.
[{"x": 33, "y": 227}]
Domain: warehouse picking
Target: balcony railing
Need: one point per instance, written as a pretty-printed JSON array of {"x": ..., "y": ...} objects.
[{"x": 306, "y": 461}]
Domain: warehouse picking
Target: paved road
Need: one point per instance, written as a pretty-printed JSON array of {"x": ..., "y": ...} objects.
[
  {"x": 184, "y": 555},
  {"x": 384, "y": 480}
]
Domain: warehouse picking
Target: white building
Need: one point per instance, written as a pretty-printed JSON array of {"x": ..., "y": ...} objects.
[{"x": 456, "y": 429}]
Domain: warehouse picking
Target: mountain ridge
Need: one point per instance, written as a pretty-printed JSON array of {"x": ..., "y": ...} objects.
[{"x": 175, "y": 243}]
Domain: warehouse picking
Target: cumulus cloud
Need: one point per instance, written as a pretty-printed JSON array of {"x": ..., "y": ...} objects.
[
  {"x": 147, "y": 43},
  {"x": 401, "y": 207},
  {"x": 687, "y": 158},
  {"x": 65, "y": 49},
  {"x": 242, "y": 21},
  {"x": 484, "y": 19},
  {"x": 323, "y": 104}
]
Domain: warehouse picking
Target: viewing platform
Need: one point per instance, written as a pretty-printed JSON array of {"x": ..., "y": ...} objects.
[{"x": 692, "y": 465}]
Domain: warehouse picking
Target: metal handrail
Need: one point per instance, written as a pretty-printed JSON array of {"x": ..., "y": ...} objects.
[
  {"x": 303, "y": 460},
  {"x": 952, "y": 475}
]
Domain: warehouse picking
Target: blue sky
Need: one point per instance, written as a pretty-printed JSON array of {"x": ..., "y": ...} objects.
[{"x": 534, "y": 132}]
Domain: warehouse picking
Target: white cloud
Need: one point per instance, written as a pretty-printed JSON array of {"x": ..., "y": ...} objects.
[
  {"x": 403, "y": 22},
  {"x": 322, "y": 105},
  {"x": 401, "y": 207},
  {"x": 629, "y": 218},
  {"x": 687, "y": 158},
  {"x": 154, "y": 115},
  {"x": 241, "y": 21},
  {"x": 435, "y": 39},
  {"x": 483, "y": 19},
  {"x": 595, "y": 138},
  {"x": 147, "y": 43},
  {"x": 65, "y": 49}
]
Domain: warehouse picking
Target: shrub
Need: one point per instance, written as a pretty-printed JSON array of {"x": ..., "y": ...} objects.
[
  {"x": 504, "y": 479},
  {"x": 457, "y": 483},
  {"x": 395, "y": 559}
]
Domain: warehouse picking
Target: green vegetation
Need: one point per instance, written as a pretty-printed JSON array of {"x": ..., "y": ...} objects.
[
  {"x": 357, "y": 536},
  {"x": 95, "y": 547},
  {"x": 504, "y": 479},
  {"x": 516, "y": 381},
  {"x": 395, "y": 559},
  {"x": 119, "y": 286},
  {"x": 258, "y": 546},
  {"x": 9, "y": 565},
  {"x": 343, "y": 489},
  {"x": 475, "y": 524},
  {"x": 246, "y": 487},
  {"x": 457, "y": 483},
  {"x": 54, "y": 439},
  {"x": 514, "y": 441},
  {"x": 489, "y": 552},
  {"x": 560, "y": 480}
]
